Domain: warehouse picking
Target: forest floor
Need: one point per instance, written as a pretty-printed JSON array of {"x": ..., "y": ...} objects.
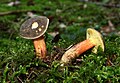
[{"x": 69, "y": 20}]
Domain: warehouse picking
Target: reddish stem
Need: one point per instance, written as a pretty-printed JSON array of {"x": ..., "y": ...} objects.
[
  {"x": 76, "y": 50},
  {"x": 40, "y": 47},
  {"x": 83, "y": 46}
]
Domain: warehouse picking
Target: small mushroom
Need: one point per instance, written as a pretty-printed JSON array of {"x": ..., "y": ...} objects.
[
  {"x": 34, "y": 28},
  {"x": 94, "y": 40}
]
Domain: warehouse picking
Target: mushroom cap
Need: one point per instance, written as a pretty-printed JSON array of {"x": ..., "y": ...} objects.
[
  {"x": 96, "y": 38},
  {"x": 34, "y": 27}
]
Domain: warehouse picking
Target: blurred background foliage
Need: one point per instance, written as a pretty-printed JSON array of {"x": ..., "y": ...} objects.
[{"x": 69, "y": 20}]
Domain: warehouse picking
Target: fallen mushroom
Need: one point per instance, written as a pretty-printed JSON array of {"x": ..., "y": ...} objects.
[
  {"x": 34, "y": 28},
  {"x": 94, "y": 40}
]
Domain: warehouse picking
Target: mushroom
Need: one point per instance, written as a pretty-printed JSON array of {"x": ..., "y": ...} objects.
[
  {"x": 34, "y": 28},
  {"x": 94, "y": 40}
]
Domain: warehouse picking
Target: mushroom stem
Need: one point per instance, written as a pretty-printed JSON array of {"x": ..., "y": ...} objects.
[
  {"x": 40, "y": 47},
  {"x": 76, "y": 50},
  {"x": 83, "y": 46}
]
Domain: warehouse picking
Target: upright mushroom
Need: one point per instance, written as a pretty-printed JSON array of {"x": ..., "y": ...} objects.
[
  {"x": 34, "y": 28},
  {"x": 94, "y": 40}
]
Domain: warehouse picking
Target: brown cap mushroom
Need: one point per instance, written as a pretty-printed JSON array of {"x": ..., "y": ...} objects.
[
  {"x": 94, "y": 40},
  {"x": 34, "y": 28}
]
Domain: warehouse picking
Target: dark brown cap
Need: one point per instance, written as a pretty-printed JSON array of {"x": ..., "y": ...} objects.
[{"x": 34, "y": 27}]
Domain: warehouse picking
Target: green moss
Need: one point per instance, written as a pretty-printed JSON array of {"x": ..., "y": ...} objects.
[{"x": 17, "y": 56}]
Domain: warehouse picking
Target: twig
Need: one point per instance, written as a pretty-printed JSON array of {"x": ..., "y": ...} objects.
[
  {"x": 16, "y": 12},
  {"x": 33, "y": 72},
  {"x": 89, "y": 2},
  {"x": 107, "y": 5},
  {"x": 19, "y": 79},
  {"x": 103, "y": 4}
]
